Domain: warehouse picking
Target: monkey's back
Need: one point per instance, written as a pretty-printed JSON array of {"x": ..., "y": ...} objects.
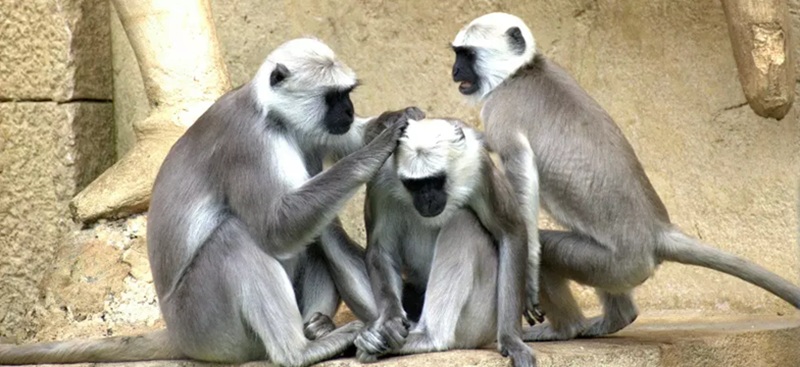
[
  {"x": 190, "y": 196},
  {"x": 587, "y": 168}
]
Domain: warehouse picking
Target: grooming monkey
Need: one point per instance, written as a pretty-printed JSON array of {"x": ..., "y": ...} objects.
[
  {"x": 442, "y": 223},
  {"x": 558, "y": 144},
  {"x": 243, "y": 238}
]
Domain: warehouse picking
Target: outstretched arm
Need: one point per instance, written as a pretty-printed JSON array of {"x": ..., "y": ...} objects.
[
  {"x": 520, "y": 168},
  {"x": 390, "y": 329},
  {"x": 496, "y": 207}
]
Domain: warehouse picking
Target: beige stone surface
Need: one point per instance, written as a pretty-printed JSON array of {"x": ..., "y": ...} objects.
[
  {"x": 664, "y": 341},
  {"x": 176, "y": 49},
  {"x": 55, "y": 50},
  {"x": 43, "y": 162}
]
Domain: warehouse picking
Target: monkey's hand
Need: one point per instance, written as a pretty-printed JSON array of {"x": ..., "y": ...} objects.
[
  {"x": 521, "y": 355},
  {"x": 390, "y": 118},
  {"x": 318, "y": 326},
  {"x": 533, "y": 312},
  {"x": 381, "y": 338}
]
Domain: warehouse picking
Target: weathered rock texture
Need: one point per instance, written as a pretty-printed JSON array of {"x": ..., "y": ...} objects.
[
  {"x": 761, "y": 39},
  {"x": 183, "y": 73},
  {"x": 56, "y": 135},
  {"x": 696, "y": 340}
]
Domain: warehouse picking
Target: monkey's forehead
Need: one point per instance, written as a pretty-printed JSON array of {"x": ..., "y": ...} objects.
[{"x": 484, "y": 30}]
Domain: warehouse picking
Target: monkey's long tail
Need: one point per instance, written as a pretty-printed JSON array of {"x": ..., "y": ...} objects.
[
  {"x": 679, "y": 247},
  {"x": 151, "y": 346}
]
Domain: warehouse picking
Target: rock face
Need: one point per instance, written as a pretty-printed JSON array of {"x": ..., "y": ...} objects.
[
  {"x": 664, "y": 69},
  {"x": 56, "y": 135}
]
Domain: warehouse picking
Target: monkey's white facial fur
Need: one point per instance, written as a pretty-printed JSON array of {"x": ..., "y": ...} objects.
[
  {"x": 304, "y": 85},
  {"x": 438, "y": 163},
  {"x": 488, "y": 50}
]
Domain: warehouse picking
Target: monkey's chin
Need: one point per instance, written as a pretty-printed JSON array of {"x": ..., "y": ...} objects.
[{"x": 338, "y": 130}]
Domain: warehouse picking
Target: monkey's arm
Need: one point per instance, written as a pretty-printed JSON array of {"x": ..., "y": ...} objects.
[
  {"x": 349, "y": 271},
  {"x": 497, "y": 211},
  {"x": 390, "y": 329},
  {"x": 300, "y": 215},
  {"x": 523, "y": 175}
]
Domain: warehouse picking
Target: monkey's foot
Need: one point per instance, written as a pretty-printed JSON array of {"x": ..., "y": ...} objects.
[
  {"x": 601, "y": 326},
  {"x": 546, "y": 333},
  {"x": 318, "y": 326},
  {"x": 370, "y": 345},
  {"x": 521, "y": 355}
]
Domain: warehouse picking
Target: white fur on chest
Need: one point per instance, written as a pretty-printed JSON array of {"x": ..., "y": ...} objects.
[{"x": 288, "y": 161}]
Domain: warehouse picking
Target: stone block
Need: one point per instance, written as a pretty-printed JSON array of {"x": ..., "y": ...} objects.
[
  {"x": 55, "y": 50},
  {"x": 48, "y": 151}
]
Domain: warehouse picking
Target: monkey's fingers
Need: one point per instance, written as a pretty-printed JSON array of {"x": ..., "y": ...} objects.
[
  {"x": 364, "y": 357},
  {"x": 369, "y": 341},
  {"x": 414, "y": 113},
  {"x": 395, "y": 332}
]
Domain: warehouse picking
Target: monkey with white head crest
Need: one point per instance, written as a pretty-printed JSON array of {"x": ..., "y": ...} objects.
[
  {"x": 559, "y": 146},
  {"x": 248, "y": 258},
  {"x": 443, "y": 232}
]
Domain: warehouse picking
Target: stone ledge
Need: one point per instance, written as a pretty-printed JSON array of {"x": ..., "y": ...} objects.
[{"x": 655, "y": 340}]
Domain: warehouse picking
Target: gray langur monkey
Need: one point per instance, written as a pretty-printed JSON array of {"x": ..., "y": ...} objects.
[
  {"x": 243, "y": 238},
  {"x": 443, "y": 226},
  {"x": 556, "y": 143}
]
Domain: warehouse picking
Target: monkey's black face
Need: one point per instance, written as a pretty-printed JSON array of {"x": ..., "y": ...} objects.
[
  {"x": 339, "y": 115},
  {"x": 428, "y": 194},
  {"x": 464, "y": 70}
]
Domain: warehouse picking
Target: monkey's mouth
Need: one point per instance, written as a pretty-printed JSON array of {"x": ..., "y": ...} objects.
[{"x": 467, "y": 87}]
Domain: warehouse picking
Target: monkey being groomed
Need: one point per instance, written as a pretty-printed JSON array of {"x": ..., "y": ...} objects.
[
  {"x": 556, "y": 143},
  {"x": 453, "y": 235},
  {"x": 248, "y": 257}
]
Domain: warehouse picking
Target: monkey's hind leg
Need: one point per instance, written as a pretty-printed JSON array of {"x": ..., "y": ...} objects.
[
  {"x": 460, "y": 309},
  {"x": 259, "y": 287},
  {"x": 564, "y": 317},
  {"x": 316, "y": 293}
]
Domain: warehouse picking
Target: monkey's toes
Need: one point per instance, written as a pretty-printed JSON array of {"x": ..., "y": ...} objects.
[{"x": 318, "y": 326}]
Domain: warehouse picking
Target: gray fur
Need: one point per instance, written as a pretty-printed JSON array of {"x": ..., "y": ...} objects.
[
  {"x": 470, "y": 262},
  {"x": 591, "y": 182},
  {"x": 247, "y": 255}
]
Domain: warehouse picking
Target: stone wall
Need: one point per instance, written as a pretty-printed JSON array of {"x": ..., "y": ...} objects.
[
  {"x": 663, "y": 68},
  {"x": 56, "y": 135}
]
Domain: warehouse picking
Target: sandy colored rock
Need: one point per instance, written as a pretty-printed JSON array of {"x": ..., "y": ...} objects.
[
  {"x": 760, "y": 32},
  {"x": 55, "y": 50},
  {"x": 664, "y": 341},
  {"x": 43, "y": 162},
  {"x": 164, "y": 35}
]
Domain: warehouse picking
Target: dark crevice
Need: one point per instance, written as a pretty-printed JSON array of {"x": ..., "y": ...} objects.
[
  {"x": 40, "y": 100},
  {"x": 86, "y": 100},
  {"x": 734, "y": 106}
]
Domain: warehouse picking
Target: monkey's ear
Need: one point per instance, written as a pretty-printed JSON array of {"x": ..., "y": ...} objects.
[
  {"x": 459, "y": 133},
  {"x": 515, "y": 40},
  {"x": 279, "y": 74}
]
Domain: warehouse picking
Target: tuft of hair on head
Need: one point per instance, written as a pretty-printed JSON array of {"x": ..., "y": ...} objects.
[
  {"x": 502, "y": 44},
  {"x": 430, "y": 147}
]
